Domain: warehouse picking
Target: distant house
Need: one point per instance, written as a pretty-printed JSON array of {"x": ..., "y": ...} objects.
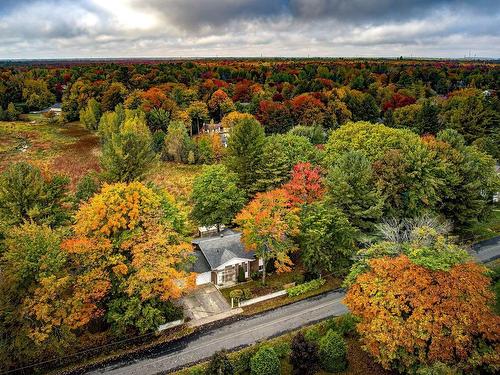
[
  {"x": 219, "y": 257},
  {"x": 56, "y": 108}
]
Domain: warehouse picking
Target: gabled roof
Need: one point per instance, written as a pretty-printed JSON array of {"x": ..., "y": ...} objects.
[{"x": 220, "y": 249}]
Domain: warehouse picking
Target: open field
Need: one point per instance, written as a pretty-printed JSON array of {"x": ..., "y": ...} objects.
[{"x": 69, "y": 149}]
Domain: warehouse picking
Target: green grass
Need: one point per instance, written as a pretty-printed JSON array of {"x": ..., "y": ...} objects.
[{"x": 274, "y": 283}]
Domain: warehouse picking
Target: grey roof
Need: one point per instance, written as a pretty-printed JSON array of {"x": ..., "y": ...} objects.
[
  {"x": 220, "y": 249},
  {"x": 200, "y": 265}
]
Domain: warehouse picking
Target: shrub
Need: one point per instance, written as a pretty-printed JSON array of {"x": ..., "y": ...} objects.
[
  {"x": 241, "y": 360},
  {"x": 304, "y": 357},
  {"x": 241, "y": 275},
  {"x": 306, "y": 287},
  {"x": 265, "y": 362},
  {"x": 158, "y": 141},
  {"x": 345, "y": 324},
  {"x": 247, "y": 294},
  {"x": 256, "y": 275},
  {"x": 281, "y": 348},
  {"x": 236, "y": 294},
  {"x": 312, "y": 334},
  {"x": 333, "y": 352},
  {"x": 219, "y": 365}
]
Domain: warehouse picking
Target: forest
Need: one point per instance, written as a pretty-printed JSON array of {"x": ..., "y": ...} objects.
[{"x": 380, "y": 172}]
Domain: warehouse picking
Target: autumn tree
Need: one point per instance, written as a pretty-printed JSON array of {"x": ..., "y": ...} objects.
[
  {"x": 47, "y": 294},
  {"x": 114, "y": 95},
  {"x": 216, "y": 197},
  {"x": 276, "y": 117},
  {"x": 231, "y": 119},
  {"x": 306, "y": 184},
  {"x": 411, "y": 307},
  {"x": 326, "y": 239},
  {"x": 308, "y": 110},
  {"x": 148, "y": 254},
  {"x": 177, "y": 142},
  {"x": 27, "y": 195},
  {"x": 220, "y": 104},
  {"x": 269, "y": 223},
  {"x": 37, "y": 95},
  {"x": 198, "y": 113},
  {"x": 244, "y": 150},
  {"x": 91, "y": 114},
  {"x": 128, "y": 154}
]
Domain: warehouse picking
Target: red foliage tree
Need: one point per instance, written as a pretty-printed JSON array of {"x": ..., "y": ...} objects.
[{"x": 306, "y": 184}]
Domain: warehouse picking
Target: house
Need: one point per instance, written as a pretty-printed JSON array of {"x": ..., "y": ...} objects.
[{"x": 218, "y": 259}]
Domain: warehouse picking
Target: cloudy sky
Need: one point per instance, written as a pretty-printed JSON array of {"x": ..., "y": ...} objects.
[{"x": 190, "y": 28}]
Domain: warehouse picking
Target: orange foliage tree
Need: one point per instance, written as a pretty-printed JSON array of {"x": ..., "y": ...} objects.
[
  {"x": 424, "y": 307},
  {"x": 269, "y": 223},
  {"x": 148, "y": 254}
]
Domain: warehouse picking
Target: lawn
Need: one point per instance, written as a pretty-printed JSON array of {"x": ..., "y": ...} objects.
[{"x": 274, "y": 283}]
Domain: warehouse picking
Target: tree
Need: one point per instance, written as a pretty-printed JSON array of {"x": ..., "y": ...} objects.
[
  {"x": 411, "y": 306},
  {"x": 219, "y": 365},
  {"x": 11, "y": 113},
  {"x": 148, "y": 254},
  {"x": 269, "y": 223},
  {"x": 265, "y": 362},
  {"x": 87, "y": 186},
  {"x": 220, "y": 104},
  {"x": 47, "y": 294},
  {"x": 276, "y": 117},
  {"x": 333, "y": 352},
  {"x": 350, "y": 187},
  {"x": 128, "y": 155},
  {"x": 231, "y": 119},
  {"x": 205, "y": 150},
  {"x": 326, "y": 239},
  {"x": 315, "y": 134},
  {"x": 37, "y": 95},
  {"x": 177, "y": 142},
  {"x": 306, "y": 184},
  {"x": 198, "y": 113},
  {"x": 114, "y": 95},
  {"x": 308, "y": 110},
  {"x": 91, "y": 114},
  {"x": 244, "y": 151},
  {"x": 280, "y": 153},
  {"x": 26, "y": 195},
  {"x": 469, "y": 180},
  {"x": 216, "y": 197},
  {"x": 304, "y": 357}
]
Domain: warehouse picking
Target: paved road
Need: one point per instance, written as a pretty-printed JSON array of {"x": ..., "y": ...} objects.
[
  {"x": 250, "y": 330},
  {"x": 488, "y": 250},
  {"x": 240, "y": 333}
]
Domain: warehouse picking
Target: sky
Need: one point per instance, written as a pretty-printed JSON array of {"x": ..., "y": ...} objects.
[{"x": 220, "y": 28}]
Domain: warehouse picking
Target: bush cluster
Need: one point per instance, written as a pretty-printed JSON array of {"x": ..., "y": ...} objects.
[{"x": 306, "y": 287}]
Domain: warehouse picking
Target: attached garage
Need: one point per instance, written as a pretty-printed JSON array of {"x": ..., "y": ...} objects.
[{"x": 203, "y": 278}]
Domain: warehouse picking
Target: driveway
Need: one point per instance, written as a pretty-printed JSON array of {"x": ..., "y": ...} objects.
[
  {"x": 231, "y": 336},
  {"x": 205, "y": 301}
]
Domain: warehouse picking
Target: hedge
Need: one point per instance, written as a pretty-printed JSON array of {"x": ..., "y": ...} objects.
[{"x": 306, "y": 287}]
